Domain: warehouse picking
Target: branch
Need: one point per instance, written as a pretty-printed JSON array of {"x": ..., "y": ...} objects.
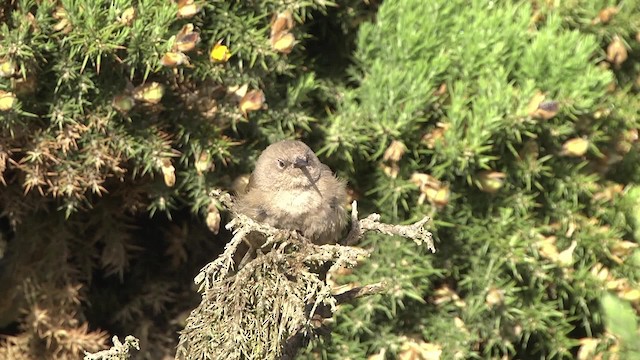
[
  {"x": 415, "y": 231},
  {"x": 361, "y": 291},
  {"x": 302, "y": 337},
  {"x": 276, "y": 302},
  {"x": 118, "y": 351}
]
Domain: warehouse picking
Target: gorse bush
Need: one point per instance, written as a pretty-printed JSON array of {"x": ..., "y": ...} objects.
[
  {"x": 91, "y": 77},
  {"x": 514, "y": 125},
  {"x": 508, "y": 123}
]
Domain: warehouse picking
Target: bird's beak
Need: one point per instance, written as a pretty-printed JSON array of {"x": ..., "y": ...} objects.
[{"x": 300, "y": 162}]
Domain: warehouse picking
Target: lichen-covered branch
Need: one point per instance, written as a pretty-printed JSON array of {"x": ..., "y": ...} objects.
[
  {"x": 119, "y": 350},
  {"x": 415, "y": 231},
  {"x": 265, "y": 309},
  {"x": 297, "y": 341}
]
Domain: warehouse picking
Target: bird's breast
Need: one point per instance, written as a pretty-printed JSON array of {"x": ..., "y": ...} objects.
[{"x": 297, "y": 202}]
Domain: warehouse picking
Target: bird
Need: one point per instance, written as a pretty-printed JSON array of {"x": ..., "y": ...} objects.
[{"x": 291, "y": 189}]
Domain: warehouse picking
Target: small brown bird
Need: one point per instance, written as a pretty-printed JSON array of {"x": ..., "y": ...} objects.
[{"x": 291, "y": 189}]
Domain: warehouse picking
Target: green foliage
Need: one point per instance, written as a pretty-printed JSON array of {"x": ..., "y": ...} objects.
[
  {"x": 515, "y": 267},
  {"x": 622, "y": 321}
]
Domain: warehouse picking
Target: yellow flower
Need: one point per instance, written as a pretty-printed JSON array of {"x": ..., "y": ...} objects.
[
  {"x": 575, "y": 147},
  {"x": 283, "y": 42},
  {"x": 7, "y": 68},
  {"x": 7, "y": 100},
  {"x": 220, "y": 53},
  {"x": 150, "y": 93}
]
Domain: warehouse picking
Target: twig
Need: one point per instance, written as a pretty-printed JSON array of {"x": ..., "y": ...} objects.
[
  {"x": 356, "y": 232},
  {"x": 361, "y": 291},
  {"x": 415, "y": 231},
  {"x": 118, "y": 351}
]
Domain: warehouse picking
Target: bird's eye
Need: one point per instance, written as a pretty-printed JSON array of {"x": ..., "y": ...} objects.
[{"x": 281, "y": 164}]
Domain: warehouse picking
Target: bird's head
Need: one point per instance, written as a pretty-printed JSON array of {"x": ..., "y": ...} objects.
[{"x": 285, "y": 165}]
